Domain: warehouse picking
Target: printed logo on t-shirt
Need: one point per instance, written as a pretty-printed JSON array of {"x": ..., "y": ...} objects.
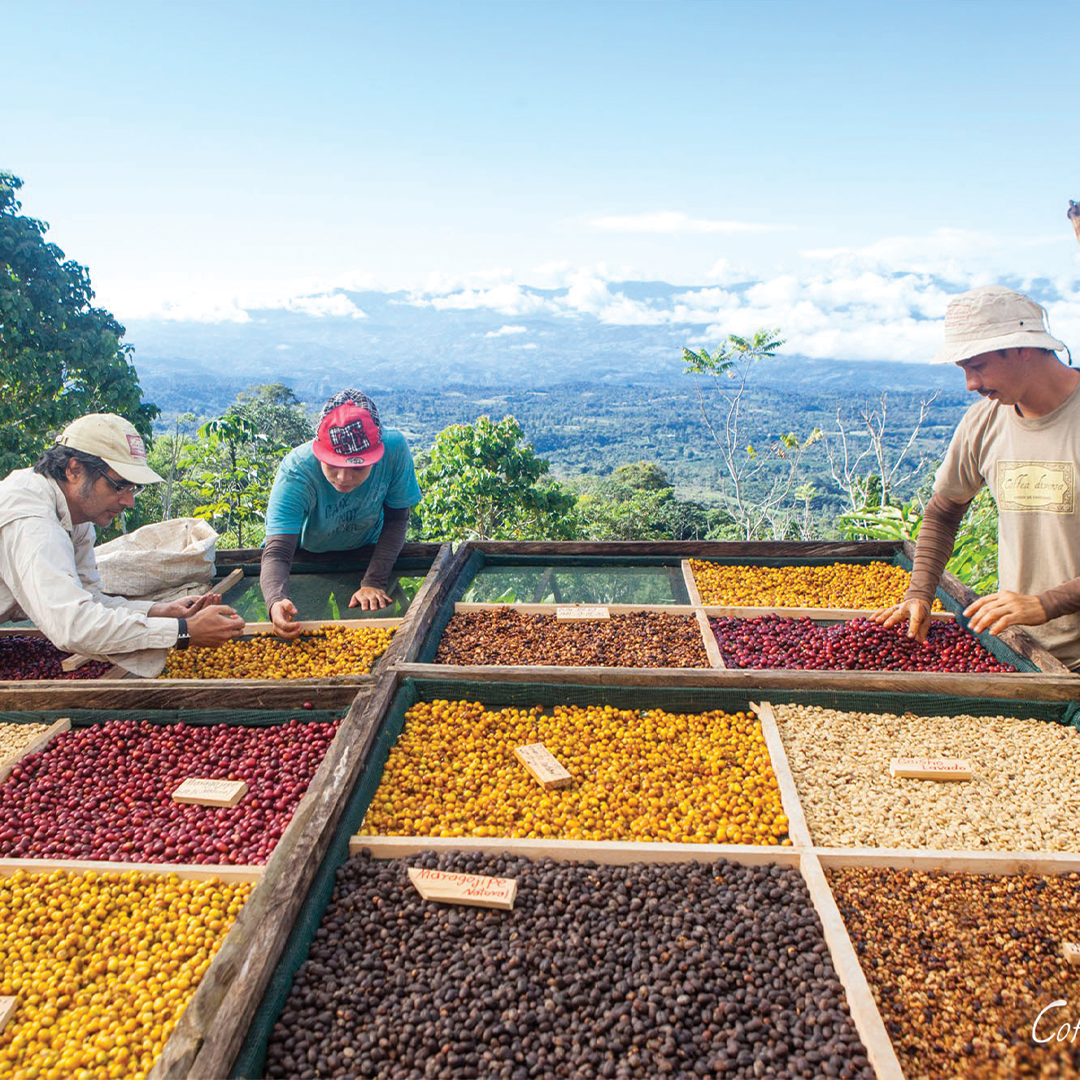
[{"x": 1048, "y": 487}]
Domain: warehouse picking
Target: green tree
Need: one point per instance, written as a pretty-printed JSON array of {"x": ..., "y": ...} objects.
[
  {"x": 275, "y": 410},
  {"x": 756, "y": 482},
  {"x": 482, "y": 482},
  {"x": 229, "y": 471},
  {"x": 60, "y": 357}
]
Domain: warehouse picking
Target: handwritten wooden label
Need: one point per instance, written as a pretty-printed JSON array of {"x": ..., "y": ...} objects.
[
  {"x": 1071, "y": 952},
  {"x": 8, "y": 1005},
  {"x": 572, "y": 613},
  {"x": 543, "y": 766},
  {"x": 210, "y": 792},
  {"x": 473, "y": 890},
  {"x": 930, "y": 769}
]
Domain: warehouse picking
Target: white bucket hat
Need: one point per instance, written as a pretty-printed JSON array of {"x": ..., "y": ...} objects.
[{"x": 991, "y": 318}]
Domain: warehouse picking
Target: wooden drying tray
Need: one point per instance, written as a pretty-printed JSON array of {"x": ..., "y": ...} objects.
[
  {"x": 33, "y": 746},
  {"x": 864, "y": 1011},
  {"x": 253, "y": 628},
  {"x": 186, "y": 871},
  {"x": 464, "y": 608},
  {"x": 819, "y": 614},
  {"x": 70, "y": 663}
]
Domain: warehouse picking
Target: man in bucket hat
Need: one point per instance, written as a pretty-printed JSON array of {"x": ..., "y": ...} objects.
[
  {"x": 47, "y": 566},
  {"x": 1022, "y": 440},
  {"x": 350, "y": 487}
]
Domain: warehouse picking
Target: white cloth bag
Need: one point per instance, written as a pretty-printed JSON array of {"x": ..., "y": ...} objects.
[{"x": 162, "y": 561}]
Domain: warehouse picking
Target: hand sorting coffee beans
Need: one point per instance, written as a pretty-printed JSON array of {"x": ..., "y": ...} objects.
[
  {"x": 771, "y": 641},
  {"x": 38, "y": 658},
  {"x": 103, "y": 966},
  {"x": 322, "y": 653},
  {"x": 683, "y": 969},
  {"x": 639, "y": 776},
  {"x": 841, "y": 585},
  {"x": 638, "y": 639}
]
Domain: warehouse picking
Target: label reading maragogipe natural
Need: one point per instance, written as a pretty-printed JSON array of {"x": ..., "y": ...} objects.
[
  {"x": 571, "y": 613},
  {"x": 544, "y": 767},
  {"x": 930, "y": 769},
  {"x": 210, "y": 792},
  {"x": 1071, "y": 952},
  {"x": 7, "y": 1011},
  {"x": 473, "y": 890}
]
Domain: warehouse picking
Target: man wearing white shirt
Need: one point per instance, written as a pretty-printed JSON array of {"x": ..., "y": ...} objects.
[{"x": 47, "y": 565}]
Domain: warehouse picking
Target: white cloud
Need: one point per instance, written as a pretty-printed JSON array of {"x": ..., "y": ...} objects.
[
  {"x": 670, "y": 222},
  {"x": 527, "y": 345},
  {"x": 336, "y": 304},
  {"x": 503, "y": 331}
]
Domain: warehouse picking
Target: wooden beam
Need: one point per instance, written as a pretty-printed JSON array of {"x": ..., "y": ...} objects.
[
  {"x": 708, "y": 639},
  {"x": 961, "y": 862},
  {"x": 798, "y": 829},
  {"x": 690, "y": 583},
  {"x": 860, "y": 998},
  {"x": 696, "y": 549},
  {"x": 212, "y": 1028},
  {"x": 462, "y": 608},
  {"x": 67, "y": 694},
  {"x": 319, "y": 624},
  {"x": 187, "y": 871},
  {"x": 228, "y": 583},
  {"x": 33, "y": 746},
  {"x": 1022, "y": 686},
  {"x": 612, "y": 853}
]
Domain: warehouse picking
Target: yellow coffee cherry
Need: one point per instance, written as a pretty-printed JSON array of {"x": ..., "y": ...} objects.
[
  {"x": 316, "y": 654},
  {"x": 841, "y": 585},
  {"x": 698, "y": 778},
  {"x": 102, "y": 966}
]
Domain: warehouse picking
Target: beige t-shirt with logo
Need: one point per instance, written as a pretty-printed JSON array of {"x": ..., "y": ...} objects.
[{"x": 1030, "y": 465}]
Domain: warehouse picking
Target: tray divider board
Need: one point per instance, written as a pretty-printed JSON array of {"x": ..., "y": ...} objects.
[
  {"x": 609, "y": 852},
  {"x": 187, "y": 871},
  {"x": 708, "y": 639},
  {"x": 227, "y": 583},
  {"x": 798, "y": 830},
  {"x": 860, "y": 998},
  {"x": 319, "y": 624},
  {"x": 465, "y": 607},
  {"x": 1001, "y": 863},
  {"x": 691, "y": 584},
  {"x": 35, "y": 744},
  {"x": 819, "y": 614}
]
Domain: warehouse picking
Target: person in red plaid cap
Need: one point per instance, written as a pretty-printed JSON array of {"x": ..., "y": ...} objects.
[{"x": 351, "y": 486}]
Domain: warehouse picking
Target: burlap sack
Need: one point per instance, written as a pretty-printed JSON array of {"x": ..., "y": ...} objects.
[{"x": 162, "y": 561}]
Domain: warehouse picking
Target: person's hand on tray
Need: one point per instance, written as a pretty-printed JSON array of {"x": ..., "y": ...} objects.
[
  {"x": 915, "y": 612},
  {"x": 370, "y": 598},
  {"x": 214, "y": 625},
  {"x": 999, "y": 610},
  {"x": 185, "y": 607},
  {"x": 283, "y": 615}
]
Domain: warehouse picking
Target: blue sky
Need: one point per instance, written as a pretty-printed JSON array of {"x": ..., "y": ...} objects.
[{"x": 205, "y": 158}]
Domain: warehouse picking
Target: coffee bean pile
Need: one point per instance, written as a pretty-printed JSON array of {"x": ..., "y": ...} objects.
[
  {"x": 961, "y": 965},
  {"x": 599, "y": 971},
  {"x": 692, "y": 778},
  {"x": 315, "y": 654},
  {"x": 105, "y": 792},
  {"x": 638, "y": 639},
  {"x": 38, "y": 658},
  {"x": 102, "y": 966},
  {"x": 771, "y": 641},
  {"x": 841, "y": 585}
]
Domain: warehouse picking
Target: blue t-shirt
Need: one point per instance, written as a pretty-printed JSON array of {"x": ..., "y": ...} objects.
[{"x": 303, "y": 501}]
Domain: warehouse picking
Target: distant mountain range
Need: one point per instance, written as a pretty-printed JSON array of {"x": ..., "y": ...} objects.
[{"x": 377, "y": 341}]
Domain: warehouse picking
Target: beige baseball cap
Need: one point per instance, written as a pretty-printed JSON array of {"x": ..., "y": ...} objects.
[
  {"x": 115, "y": 441},
  {"x": 992, "y": 318}
]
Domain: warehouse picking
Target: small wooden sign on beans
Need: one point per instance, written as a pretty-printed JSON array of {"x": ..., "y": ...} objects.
[
  {"x": 577, "y": 613},
  {"x": 472, "y": 890},
  {"x": 930, "y": 769},
  {"x": 1071, "y": 952},
  {"x": 8, "y": 1005},
  {"x": 198, "y": 792},
  {"x": 543, "y": 766}
]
